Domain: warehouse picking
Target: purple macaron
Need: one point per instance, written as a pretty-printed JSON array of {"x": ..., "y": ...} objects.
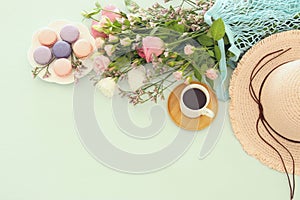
[
  {"x": 42, "y": 55},
  {"x": 61, "y": 49},
  {"x": 69, "y": 33}
]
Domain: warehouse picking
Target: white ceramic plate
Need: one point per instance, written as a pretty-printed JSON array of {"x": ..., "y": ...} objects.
[{"x": 57, "y": 26}]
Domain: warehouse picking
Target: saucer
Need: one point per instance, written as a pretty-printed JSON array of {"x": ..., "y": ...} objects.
[
  {"x": 182, "y": 121},
  {"x": 57, "y": 26}
]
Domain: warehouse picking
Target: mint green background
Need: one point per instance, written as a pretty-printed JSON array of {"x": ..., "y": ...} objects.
[{"x": 41, "y": 156}]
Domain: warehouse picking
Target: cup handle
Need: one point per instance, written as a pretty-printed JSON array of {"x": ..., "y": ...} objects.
[{"x": 207, "y": 112}]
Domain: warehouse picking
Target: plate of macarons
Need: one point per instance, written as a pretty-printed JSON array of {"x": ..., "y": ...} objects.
[{"x": 60, "y": 51}]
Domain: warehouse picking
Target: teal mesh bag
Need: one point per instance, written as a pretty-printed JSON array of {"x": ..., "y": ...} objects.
[{"x": 246, "y": 23}]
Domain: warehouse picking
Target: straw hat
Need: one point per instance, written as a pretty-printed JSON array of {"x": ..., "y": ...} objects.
[{"x": 274, "y": 65}]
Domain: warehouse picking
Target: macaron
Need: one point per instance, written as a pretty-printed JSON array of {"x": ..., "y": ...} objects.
[
  {"x": 42, "y": 55},
  {"x": 62, "y": 67},
  {"x": 47, "y": 37},
  {"x": 69, "y": 33},
  {"x": 61, "y": 49},
  {"x": 82, "y": 48}
]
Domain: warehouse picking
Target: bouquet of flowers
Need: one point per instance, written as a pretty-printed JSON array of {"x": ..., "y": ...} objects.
[{"x": 154, "y": 48}]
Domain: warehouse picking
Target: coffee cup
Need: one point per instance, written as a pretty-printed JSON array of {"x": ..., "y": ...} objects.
[{"x": 194, "y": 100}]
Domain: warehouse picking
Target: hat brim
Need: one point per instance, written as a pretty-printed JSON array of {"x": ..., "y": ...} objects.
[{"x": 244, "y": 111}]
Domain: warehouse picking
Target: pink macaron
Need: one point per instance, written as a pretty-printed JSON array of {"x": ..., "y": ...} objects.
[
  {"x": 47, "y": 37},
  {"x": 62, "y": 67},
  {"x": 82, "y": 48}
]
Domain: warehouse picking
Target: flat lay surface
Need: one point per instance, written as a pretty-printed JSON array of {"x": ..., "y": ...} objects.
[{"x": 41, "y": 153}]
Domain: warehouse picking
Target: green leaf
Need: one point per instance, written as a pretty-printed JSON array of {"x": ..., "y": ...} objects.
[
  {"x": 177, "y": 27},
  {"x": 117, "y": 24},
  {"x": 114, "y": 31},
  {"x": 226, "y": 40},
  {"x": 205, "y": 40},
  {"x": 211, "y": 53},
  {"x": 197, "y": 73},
  {"x": 217, "y": 29},
  {"x": 90, "y": 14},
  {"x": 204, "y": 67},
  {"x": 121, "y": 62},
  {"x": 198, "y": 76},
  {"x": 95, "y": 11},
  {"x": 217, "y": 52},
  {"x": 127, "y": 22},
  {"x": 173, "y": 25},
  {"x": 209, "y": 33},
  {"x": 131, "y": 6},
  {"x": 168, "y": 23}
]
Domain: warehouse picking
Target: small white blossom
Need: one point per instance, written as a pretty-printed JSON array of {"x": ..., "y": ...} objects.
[
  {"x": 99, "y": 42},
  {"x": 113, "y": 38},
  {"x": 138, "y": 38},
  {"x": 109, "y": 49},
  {"x": 125, "y": 42},
  {"x": 107, "y": 86}
]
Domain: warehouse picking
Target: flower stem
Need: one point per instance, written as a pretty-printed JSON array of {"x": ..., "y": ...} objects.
[
  {"x": 185, "y": 39},
  {"x": 37, "y": 70}
]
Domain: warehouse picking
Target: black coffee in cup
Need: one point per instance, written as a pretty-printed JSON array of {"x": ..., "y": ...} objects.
[{"x": 194, "y": 98}]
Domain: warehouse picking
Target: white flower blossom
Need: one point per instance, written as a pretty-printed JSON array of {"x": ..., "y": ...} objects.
[
  {"x": 138, "y": 38},
  {"x": 107, "y": 86},
  {"x": 99, "y": 42},
  {"x": 109, "y": 49},
  {"x": 125, "y": 41},
  {"x": 113, "y": 38}
]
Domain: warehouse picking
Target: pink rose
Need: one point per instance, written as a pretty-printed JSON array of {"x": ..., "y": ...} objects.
[
  {"x": 152, "y": 45},
  {"x": 111, "y": 12},
  {"x": 96, "y": 33},
  {"x": 211, "y": 74},
  {"x": 177, "y": 75},
  {"x": 141, "y": 53},
  {"x": 101, "y": 63}
]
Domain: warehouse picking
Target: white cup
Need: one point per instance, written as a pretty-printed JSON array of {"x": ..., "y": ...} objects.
[{"x": 194, "y": 113}]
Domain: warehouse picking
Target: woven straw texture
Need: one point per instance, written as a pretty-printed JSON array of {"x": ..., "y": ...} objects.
[{"x": 244, "y": 111}]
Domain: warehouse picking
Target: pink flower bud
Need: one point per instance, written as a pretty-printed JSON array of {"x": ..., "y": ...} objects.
[{"x": 211, "y": 73}]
